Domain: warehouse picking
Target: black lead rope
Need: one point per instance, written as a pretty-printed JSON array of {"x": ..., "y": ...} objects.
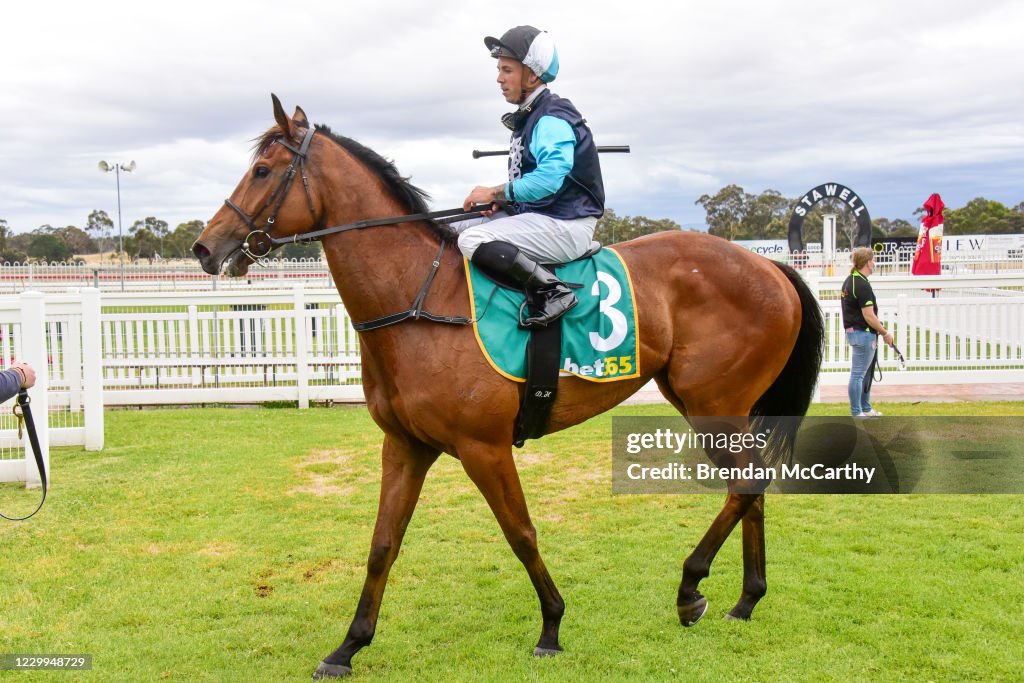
[
  {"x": 33, "y": 437},
  {"x": 876, "y": 367}
]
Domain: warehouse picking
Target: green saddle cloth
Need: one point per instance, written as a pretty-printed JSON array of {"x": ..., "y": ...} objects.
[{"x": 599, "y": 338}]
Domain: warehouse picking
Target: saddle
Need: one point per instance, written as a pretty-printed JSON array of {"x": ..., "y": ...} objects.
[{"x": 543, "y": 360}]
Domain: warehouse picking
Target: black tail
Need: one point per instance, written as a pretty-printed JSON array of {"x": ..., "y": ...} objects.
[{"x": 782, "y": 407}]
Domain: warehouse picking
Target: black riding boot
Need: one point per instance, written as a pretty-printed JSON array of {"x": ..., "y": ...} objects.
[{"x": 550, "y": 298}]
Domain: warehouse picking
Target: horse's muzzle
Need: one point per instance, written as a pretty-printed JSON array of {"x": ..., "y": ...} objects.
[{"x": 206, "y": 260}]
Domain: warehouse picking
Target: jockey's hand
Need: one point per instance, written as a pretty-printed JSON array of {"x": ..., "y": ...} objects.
[{"x": 483, "y": 195}]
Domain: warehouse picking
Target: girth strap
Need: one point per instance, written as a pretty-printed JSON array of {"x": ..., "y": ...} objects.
[{"x": 543, "y": 353}]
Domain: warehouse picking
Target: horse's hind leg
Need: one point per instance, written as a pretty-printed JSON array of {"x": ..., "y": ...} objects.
[
  {"x": 690, "y": 604},
  {"x": 755, "y": 583},
  {"x": 405, "y": 465},
  {"x": 493, "y": 470}
]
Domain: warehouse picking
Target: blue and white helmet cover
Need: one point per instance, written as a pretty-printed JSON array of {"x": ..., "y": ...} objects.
[
  {"x": 542, "y": 57},
  {"x": 529, "y": 45}
]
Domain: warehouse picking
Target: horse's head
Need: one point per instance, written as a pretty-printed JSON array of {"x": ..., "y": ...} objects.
[{"x": 267, "y": 201}]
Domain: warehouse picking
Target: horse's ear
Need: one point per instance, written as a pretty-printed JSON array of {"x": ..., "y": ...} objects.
[
  {"x": 299, "y": 118},
  {"x": 280, "y": 116}
]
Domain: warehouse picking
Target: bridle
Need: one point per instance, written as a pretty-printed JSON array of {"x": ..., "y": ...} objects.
[
  {"x": 259, "y": 242},
  {"x": 261, "y": 238}
]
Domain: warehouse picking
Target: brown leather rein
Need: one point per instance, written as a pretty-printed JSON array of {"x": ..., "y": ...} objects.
[{"x": 259, "y": 242}]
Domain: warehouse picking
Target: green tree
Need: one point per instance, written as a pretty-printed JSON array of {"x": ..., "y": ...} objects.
[
  {"x": 301, "y": 250},
  {"x": 99, "y": 226},
  {"x": 767, "y": 215},
  {"x": 142, "y": 243},
  {"x": 725, "y": 211},
  {"x": 979, "y": 216},
  {"x": 9, "y": 253},
  {"x": 76, "y": 239},
  {"x": 45, "y": 246},
  {"x": 895, "y": 228},
  {"x": 179, "y": 243},
  {"x": 735, "y": 214},
  {"x": 157, "y": 230},
  {"x": 612, "y": 228}
]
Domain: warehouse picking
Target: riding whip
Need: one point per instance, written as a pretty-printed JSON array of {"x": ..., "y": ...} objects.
[{"x": 607, "y": 149}]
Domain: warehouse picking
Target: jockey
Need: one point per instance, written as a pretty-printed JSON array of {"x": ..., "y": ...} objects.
[{"x": 547, "y": 210}]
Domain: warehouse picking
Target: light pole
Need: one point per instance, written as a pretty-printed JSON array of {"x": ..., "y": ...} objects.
[{"x": 117, "y": 168}]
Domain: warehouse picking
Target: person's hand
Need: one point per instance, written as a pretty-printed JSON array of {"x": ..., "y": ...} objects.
[
  {"x": 28, "y": 375},
  {"x": 480, "y": 195},
  {"x": 888, "y": 338}
]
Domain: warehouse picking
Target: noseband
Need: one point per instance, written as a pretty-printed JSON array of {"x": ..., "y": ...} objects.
[{"x": 258, "y": 243}]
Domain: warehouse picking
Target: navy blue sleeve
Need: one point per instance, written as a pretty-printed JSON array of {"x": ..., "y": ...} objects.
[{"x": 10, "y": 382}]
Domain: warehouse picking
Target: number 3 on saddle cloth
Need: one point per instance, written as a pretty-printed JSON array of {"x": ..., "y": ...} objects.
[{"x": 597, "y": 340}]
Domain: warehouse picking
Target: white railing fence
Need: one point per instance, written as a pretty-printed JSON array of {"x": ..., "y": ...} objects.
[
  {"x": 240, "y": 346},
  {"x": 971, "y": 331},
  {"x": 165, "y": 276},
  {"x": 187, "y": 276}
]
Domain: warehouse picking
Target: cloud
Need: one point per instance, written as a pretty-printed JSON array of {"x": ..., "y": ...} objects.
[{"x": 896, "y": 99}]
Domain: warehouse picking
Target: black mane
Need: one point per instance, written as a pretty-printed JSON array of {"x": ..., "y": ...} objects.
[{"x": 413, "y": 198}]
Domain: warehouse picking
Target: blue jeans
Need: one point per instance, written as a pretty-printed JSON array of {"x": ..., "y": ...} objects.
[{"x": 862, "y": 345}]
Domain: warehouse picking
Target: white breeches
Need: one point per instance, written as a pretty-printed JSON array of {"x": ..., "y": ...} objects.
[{"x": 541, "y": 238}]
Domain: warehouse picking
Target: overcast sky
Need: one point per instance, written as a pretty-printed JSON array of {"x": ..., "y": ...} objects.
[{"x": 894, "y": 99}]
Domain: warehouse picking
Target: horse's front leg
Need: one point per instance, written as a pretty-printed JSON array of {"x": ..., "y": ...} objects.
[
  {"x": 405, "y": 465},
  {"x": 493, "y": 471}
]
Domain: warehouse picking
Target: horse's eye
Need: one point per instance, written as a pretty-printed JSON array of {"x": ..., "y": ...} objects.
[{"x": 261, "y": 172}]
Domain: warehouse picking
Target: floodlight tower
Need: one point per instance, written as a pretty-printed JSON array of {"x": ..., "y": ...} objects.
[{"x": 117, "y": 168}]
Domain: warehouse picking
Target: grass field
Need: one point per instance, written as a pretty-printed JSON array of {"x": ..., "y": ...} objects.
[{"x": 223, "y": 545}]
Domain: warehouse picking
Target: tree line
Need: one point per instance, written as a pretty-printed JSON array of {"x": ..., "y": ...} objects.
[
  {"x": 731, "y": 213},
  {"x": 146, "y": 239},
  {"x": 735, "y": 214}
]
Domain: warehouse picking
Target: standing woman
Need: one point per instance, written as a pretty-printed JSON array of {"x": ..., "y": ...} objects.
[{"x": 860, "y": 318}]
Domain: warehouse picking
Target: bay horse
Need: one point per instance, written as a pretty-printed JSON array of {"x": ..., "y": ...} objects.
[{"x": 724, "y": 332}]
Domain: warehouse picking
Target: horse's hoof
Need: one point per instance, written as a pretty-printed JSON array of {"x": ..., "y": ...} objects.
[
  {"x": 546, "y": 652},
  {"x": 326, "y": 670},
  {"x": 691, "y": 612},
  {"x": 736, "y": 617}
]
